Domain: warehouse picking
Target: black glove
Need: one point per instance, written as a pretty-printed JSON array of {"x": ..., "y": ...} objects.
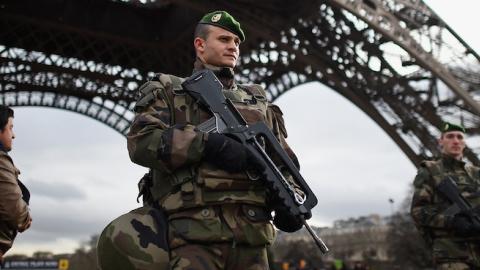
[
  {"x": 287, "y": 223},
  {"x": 228, "y": 154},
  {"x": 462, "y": 225}
]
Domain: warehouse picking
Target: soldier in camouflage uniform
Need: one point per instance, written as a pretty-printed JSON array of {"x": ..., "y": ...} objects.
[
  {"x": 14, "y": 196},
  {"x": 453, "y": 237},
  {"x": 217, "y": 217}
]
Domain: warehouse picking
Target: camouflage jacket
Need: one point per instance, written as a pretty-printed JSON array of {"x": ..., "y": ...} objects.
[
  {"x": 429, "y": 208},
  {"x": 14, "y": 213},
  {"x": 163, "y": 137}
]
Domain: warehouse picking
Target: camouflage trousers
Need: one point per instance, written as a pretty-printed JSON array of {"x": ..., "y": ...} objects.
[
  {"x": 139, "y": 240},
  {"x": 229, "y": 236},
  {"x": 219, "y": 257}
]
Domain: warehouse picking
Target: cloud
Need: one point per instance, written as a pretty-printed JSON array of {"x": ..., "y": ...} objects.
[
  {"x": 347, "y": 159},
  {"x": 79, "y": 174},
  {"x": 56, "y": 191}
]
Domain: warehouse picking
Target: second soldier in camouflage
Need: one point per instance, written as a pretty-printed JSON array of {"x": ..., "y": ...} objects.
[{"x": 452, "y": 235}]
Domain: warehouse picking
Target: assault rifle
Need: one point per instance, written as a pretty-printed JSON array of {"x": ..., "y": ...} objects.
[
  {"x": 206, "y": 89},
  {"x": 449, "y": 189}
]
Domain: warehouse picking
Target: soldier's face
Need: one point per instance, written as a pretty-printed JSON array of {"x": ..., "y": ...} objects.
[
  {"x": 7, "y": 135},
  {"x": 221, "y": 48},
  {"x": 452, "y": 144}
]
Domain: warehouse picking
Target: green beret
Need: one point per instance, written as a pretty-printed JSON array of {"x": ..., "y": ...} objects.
[
  {"x": 224, "y": 20},
  {"x": 452, "y": 127}
]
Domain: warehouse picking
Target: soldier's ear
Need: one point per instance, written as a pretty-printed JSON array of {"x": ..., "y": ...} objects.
[
  {"x": 199, "y": 45},
  {"x": 440, "y": 141}
]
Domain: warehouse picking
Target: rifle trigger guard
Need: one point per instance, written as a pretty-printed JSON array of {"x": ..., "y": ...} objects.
[{"x": 252, "y": 175}]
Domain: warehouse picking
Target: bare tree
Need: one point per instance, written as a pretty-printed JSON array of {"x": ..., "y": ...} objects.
[
  {"x": 407, "y": 249},
  {"x": 85, "y": 257}
]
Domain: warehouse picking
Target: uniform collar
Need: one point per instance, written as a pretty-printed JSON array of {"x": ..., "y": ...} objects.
[
  {"x": 225, "y": 75},
  {"x": 452, "y": 163}
]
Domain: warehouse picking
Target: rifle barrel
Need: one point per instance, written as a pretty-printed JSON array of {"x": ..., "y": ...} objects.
[{"x": 323, "y": 248}]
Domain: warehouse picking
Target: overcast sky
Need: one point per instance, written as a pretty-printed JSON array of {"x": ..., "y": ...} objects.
[{"x": 80, "y": 175}]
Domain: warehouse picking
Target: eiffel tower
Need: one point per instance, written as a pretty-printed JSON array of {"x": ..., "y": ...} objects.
[{"x": 396, "y": 60}]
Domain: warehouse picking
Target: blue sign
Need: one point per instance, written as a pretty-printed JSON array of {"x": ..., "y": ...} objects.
[{"x": 31, "y": 264}]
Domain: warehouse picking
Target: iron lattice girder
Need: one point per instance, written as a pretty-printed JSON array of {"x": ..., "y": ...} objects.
[{"x": 90, "y": 56}]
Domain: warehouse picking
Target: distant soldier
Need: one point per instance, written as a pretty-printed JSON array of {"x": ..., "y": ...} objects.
[
  {"x": 453, "y": 235},
  {"x": 218, "y": 217},
  {"x": 14, "y": 196}
]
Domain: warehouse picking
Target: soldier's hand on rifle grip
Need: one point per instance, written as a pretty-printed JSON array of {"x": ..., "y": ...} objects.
[
  {"x": 225, "y": 153},
  {"x": 287, "y": 223},
  {"x": 462, "y": 225}
]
